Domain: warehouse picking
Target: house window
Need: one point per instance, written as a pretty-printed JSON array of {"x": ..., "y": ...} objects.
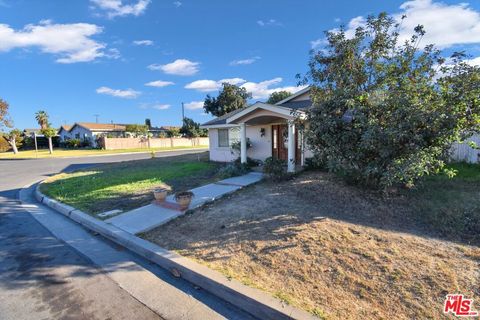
[
  {"x": 223, "y": 138},
  {"x": 77, "y": 136}
]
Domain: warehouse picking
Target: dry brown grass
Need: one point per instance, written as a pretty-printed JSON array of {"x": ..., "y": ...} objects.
[{"x": 328, "y": 248}]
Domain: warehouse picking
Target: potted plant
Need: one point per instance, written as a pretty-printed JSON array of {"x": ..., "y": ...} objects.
[
  {"x": 184, "y": 198},
  {"x": 160, "y": 194}
]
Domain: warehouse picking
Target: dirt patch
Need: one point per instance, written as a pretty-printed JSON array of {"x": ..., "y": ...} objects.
[{"x": 328, "y": 248}]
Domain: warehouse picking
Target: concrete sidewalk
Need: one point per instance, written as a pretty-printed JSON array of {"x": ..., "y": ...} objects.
[{"x": 151, "y": 216}]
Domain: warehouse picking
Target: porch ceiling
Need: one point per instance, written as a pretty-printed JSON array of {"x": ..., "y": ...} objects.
[
  {"x": 263, "y": 116},
  {"x": 261, "y": 120}
]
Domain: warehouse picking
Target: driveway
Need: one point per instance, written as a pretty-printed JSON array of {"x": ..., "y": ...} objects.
[{"x": 42, "y": 277}]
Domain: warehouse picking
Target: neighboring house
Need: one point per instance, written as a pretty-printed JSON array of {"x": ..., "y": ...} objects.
[
  {"x": 31, "y": 132},
  {"x": 64, "y": 133},
  {"x": 87, "y": 131},
  {"x": 269, "y": 128},
  {"x": 158, "y": 132}
]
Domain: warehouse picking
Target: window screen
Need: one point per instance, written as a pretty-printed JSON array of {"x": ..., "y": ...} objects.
[{"x": 223, "y": 138}]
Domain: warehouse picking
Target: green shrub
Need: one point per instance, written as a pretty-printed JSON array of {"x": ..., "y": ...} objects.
[
  {"x": 251, "y": 163},
  {"x": 72, "y": 143},
  {"x": 314, "y": 163},
  {"x": 275, "y": 168},
  {"x": 233, "y": 169}
]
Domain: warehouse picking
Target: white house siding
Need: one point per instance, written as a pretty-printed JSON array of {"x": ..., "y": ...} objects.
[
  {"x": 463, "y": 152},
  {"x": 260, "y": 150}
]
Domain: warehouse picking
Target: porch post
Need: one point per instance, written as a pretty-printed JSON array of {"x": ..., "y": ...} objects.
[
  {"x": 291, "y": 147},
  {"x": 243, "y": 143}
]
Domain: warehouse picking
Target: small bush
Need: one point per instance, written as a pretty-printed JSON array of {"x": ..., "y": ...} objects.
[
  {"x": 251, "y": 163},
  {"x": 72, "y": 143},
  {"x": 314, "y": 163},
  {"x": 275, "y": 168},
  {"x": 233, "y": 169}
]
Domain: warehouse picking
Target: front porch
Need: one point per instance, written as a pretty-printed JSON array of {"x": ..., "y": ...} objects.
[{"x": 284, "y": 141}]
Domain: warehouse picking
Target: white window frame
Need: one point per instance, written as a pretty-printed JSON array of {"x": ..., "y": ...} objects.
[{"x": 226, "y": 143}]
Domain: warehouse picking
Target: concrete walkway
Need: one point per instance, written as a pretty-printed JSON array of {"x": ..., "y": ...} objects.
[{"x": 151, "y": 216}]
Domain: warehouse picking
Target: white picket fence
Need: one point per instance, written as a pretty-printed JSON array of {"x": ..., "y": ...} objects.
[{"x": 463, "y": 152}]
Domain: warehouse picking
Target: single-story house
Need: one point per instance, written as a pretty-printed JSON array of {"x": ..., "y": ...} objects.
[
  {"x": 87, "y": 131},
  {"x": 64, "y": 133},
  {"x": 269, "y": 129}
]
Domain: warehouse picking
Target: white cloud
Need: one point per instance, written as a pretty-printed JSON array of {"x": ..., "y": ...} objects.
[
  {"x": 159, "y": 83},
  {"x": 177, "y": 4},
  {"x": 116, "y": 8},
  {"x": 179, "y": 67},
  {"x": 71, "y": 42},
  {"x": 126, "y": 94},
  {"x": 318, "y": 43},
  {"x": 161, "y": 106},
  {"x": 445, "y": 25},
  {"x": 143, "y": 42},
  {"x": 244, "y": 61},
  {"x": 269, "y": 23},
  {"x": 260, "y": 90},
  {"x": 194, "y": 105},
  {"x": 212, "y": 85}
]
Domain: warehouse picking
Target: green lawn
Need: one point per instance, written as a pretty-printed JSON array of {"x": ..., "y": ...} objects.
[
  {"x": 59, "y": 153},
  {"x": 127, "y": 185},
  {"x": 451, "y": 205}
]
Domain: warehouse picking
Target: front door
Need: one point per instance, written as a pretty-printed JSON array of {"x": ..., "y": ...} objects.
[{"x": 280, "y": 143}]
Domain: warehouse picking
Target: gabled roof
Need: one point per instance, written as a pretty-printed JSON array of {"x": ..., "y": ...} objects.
[
  {"x": 222, "y": 120},
  {"x": 284, "y": 106},
  {"x": 65, "y": 128},
  {"x": 293, "y": 96},
  {"x": 260, "y": 105},
  {"x": 92, "y": 126}
]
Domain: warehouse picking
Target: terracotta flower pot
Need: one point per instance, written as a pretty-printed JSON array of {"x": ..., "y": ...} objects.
[
  {"x": 160, "y": 194},
  {"x": 184, "y": 199}
]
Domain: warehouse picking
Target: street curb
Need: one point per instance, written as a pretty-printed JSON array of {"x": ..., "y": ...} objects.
[
  {"x": 253, "y": 301},
  {"x": 109, "y": 154}
]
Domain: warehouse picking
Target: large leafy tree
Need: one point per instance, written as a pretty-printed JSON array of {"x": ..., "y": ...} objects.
[
  {"x": 384, "y": 112},
  {"x": 138, "y": 130},
  {"x": 278, "y": 96},
  {"x": 230, "y": 98},
  {"x": 192, "y": 129},
  {"x": 45, "y": 128},
  {"x": 4, "y": 117}
]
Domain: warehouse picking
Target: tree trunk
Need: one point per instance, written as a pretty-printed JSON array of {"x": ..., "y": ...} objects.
[
  {"x": 13, "y": 143},
  {"x": 50, "y": 147}
]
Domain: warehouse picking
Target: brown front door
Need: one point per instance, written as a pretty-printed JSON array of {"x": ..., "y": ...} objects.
[{"x": 280, "y": 143}]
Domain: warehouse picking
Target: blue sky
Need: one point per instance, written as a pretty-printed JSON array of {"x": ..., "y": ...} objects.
[{"x": 135, "y": 59}]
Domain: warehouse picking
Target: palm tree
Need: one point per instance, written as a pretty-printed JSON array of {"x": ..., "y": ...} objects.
[{"x": 42, "y": 119}]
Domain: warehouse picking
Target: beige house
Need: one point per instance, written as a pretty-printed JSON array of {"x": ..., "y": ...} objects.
[{"x": 269, "y": 129}]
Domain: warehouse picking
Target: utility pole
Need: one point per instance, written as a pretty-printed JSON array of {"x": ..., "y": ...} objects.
[
  {"x": 183, "y": 113},
  {"x": 96, "y": 117}
]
